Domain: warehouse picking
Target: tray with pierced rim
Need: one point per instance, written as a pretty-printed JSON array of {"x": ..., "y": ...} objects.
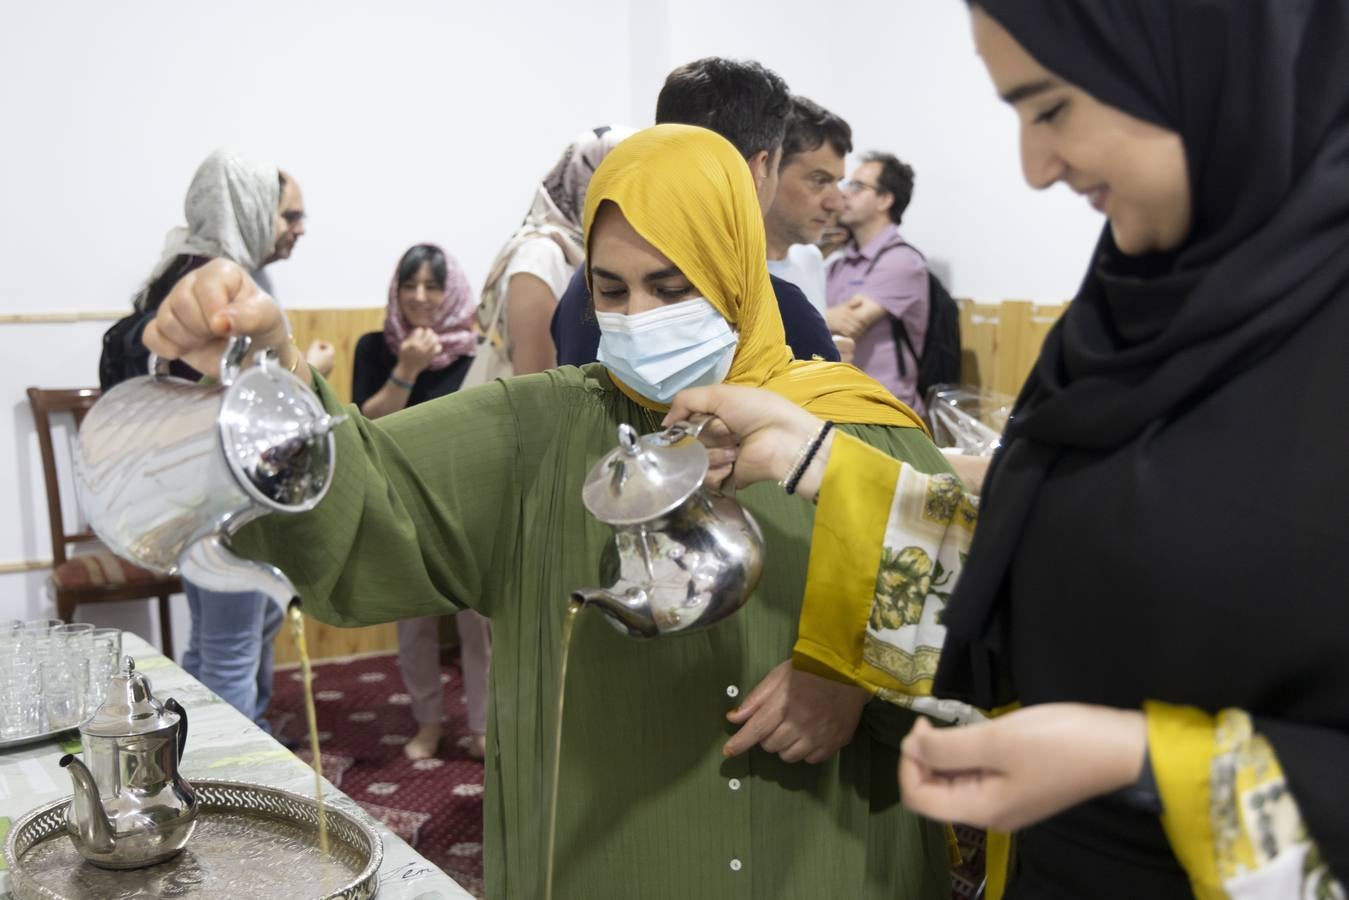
[{"x": 250, "y": 841}]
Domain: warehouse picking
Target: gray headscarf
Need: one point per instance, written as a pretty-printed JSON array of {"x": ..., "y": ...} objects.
[{"x": 231, "y": 212}]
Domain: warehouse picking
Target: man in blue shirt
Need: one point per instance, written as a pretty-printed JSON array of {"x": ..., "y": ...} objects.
[{"x": 748, "y": 105}]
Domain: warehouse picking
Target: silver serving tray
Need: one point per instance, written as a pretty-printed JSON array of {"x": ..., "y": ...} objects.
[{"x": 251, "y": 841}]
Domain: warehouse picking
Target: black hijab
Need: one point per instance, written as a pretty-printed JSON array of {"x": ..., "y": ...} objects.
[{"x": 1196, "y": 402}]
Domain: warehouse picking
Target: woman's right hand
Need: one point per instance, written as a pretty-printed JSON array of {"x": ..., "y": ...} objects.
[
  {"x": 415, "y": 353},
  {"x": 207, "y": 307},
  {"x": 768, "y": 429}
]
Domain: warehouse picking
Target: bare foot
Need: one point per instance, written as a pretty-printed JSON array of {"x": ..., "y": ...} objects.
[
  {"x": 476, "y": 746},
  {"x": 424, "y": 743}
]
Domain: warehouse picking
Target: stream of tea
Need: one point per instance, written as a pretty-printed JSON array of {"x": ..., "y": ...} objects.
[
  {"x": 311, "y": 715},
  {"x": 568, "y": 622}
]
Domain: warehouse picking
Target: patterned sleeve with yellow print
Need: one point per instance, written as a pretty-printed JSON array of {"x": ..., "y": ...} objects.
[
  {"x": 888, "y": 545},
  {"x": 1227, "y": 810}
]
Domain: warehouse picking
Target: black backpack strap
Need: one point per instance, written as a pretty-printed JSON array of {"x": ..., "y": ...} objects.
[
  {"x": 901, "y": 335},
  {"x": 871, "y": 267}
]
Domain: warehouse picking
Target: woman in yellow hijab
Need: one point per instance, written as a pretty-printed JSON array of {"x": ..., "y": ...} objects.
[
  {"x": 695, "y": 766},
  {"x": 679, "y": 189}
]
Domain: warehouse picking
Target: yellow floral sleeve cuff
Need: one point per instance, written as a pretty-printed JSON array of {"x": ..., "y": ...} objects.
[
  {"x": 1227, "y": 810},
  {"x": 845, "y": 554},
  {"x": 888, "y": 545},
  {"x": 1180, "y": 743}
]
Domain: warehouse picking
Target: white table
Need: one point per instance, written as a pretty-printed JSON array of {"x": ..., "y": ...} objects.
[{"x": 221, "y": 744}]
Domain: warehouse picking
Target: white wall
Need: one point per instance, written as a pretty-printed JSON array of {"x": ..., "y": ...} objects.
[
  {"x": 432, "y": 119},
  {"x": 905, "y": 76},
  {"x": 403, "y": 121}
]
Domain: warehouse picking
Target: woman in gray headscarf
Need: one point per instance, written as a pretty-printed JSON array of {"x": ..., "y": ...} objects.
[{"x": 233, "y": 210}]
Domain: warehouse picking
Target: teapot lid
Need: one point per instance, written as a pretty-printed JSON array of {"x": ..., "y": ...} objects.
[
  {"x": 277, "y": 437},
  {"x": 129, "y": 707},
  {"x": 645, "y": 478}
]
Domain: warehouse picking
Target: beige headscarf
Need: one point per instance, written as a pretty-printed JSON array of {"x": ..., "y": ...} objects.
[{"x": 556, "y": 210}]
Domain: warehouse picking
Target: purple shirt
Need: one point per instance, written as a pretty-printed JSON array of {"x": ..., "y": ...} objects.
[{"x": 894, "y": 274}]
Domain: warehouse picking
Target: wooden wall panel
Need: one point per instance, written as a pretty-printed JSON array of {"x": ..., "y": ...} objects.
[
  {"x": 329, "y": 641},
  {"x": 1001, "y": 341},
  {"x": 342, "y": 328}
]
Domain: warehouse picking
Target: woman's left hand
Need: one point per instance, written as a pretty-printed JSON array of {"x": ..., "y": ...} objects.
[{"x": 1023, "y": 767}]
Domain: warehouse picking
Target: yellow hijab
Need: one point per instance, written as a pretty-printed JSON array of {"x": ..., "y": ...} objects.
[{"x": 688, "y": 191}]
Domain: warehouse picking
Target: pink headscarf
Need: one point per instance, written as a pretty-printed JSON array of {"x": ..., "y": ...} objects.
[{"x": 454, "y": 318}]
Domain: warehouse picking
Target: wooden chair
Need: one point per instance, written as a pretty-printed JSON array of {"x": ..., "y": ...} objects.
[{"x": 98, "y": 576}]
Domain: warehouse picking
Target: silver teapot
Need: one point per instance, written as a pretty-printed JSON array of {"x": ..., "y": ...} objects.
[
  {"x": 166, "y": 469},
  {"x": 131, "y": 807},
  {"x": 683, "y": 556}
]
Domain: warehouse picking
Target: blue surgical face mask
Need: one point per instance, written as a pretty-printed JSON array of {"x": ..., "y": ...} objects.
[{"x": 660, "y": 352}]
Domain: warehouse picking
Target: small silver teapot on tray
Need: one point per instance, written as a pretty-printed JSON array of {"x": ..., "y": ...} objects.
[
  {"x": 131, "y": 806},
  {"x": 683, "y": 556}
]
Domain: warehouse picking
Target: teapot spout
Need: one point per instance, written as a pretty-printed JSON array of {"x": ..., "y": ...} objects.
[
  {"x": 629, "y": 611},
  {"x": 86, "y": 819},
  {"x": 210, "y": 564}
]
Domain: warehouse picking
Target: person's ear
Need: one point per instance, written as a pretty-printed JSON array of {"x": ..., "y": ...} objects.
[{"x": 758, "y": 167}]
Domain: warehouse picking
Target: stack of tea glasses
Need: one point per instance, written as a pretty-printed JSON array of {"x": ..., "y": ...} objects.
[{"x": 53, "y": 675}]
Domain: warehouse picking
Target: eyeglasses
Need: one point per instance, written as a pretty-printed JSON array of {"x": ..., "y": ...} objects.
[
  {"x": 293, "y": 216},
  {"x": 852, "y": 186}
]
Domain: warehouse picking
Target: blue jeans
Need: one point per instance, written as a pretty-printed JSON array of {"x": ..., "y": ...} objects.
[{"x": 230, "y": 647}]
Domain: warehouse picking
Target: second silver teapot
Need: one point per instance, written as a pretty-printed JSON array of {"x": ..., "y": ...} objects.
[
  {"x": 683, "y": 556},
  {"x": 131, "y": 807}
]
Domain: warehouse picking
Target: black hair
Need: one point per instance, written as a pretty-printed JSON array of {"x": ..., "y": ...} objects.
[
  {"x": 810, "y": 125},
  {"x": 412, "y": 261},
  {"x": 742, "y": 101},
  {"x": 896, "y": 179}
]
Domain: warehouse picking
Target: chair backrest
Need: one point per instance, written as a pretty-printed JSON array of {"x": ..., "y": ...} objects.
[{"x": 44, "y": 404}]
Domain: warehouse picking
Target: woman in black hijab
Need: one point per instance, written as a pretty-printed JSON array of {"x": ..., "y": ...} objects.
[{"x": 1159, "y": 573}]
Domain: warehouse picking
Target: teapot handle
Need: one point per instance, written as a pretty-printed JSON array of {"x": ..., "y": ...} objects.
[
  {"x": 230, "y": 361},
  {"x": 174, "y": 706},
  {"x": 688, "y": 428}
]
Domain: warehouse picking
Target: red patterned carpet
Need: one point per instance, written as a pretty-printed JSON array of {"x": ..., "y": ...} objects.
[
  {"x": 434, "y": 804},
  {"x": 364, "y": 720}
]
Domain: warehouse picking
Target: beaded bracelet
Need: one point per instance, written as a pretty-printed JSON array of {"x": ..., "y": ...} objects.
[
  {"x": 796, "y": 464},
  {"x": 405, "y": 385},
  {"x": 806, "y": 458}
]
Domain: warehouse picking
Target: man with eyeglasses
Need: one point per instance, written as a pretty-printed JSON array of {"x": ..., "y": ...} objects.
[{"x": 880, "y": 276}]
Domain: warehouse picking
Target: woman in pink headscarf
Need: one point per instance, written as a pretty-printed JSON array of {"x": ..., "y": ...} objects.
[
  {"x": 523, "y": 285},
  {"x": 428, "y": 340},
  {"x": 424, "y": 352}
]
